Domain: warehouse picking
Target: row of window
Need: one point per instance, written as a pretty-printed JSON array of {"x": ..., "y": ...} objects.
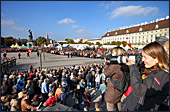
[
  {"x": 140, "y": 29},
  {"x": 131, "y": 39}
]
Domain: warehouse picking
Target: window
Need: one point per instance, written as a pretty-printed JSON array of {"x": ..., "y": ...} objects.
[
  {"x": 140, "y": 29},
  {"x": 127, "y": 31},
  {"x": 157, "y": 26},
  {"x": 115, "y": 33},
  {"x": 108, "y": 34}
]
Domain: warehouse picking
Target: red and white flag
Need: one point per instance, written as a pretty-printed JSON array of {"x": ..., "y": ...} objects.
[
  {"x": 29, "y": 51},
  {"x": 5, "y": 52}
]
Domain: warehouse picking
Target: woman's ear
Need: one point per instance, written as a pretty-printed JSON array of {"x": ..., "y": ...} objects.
[{"x": 156, "y": 60}]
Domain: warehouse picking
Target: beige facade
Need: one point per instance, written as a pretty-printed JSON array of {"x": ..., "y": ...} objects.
[
  {"x": 139, "y": 36},
  {"x": 95, "y": 40}
]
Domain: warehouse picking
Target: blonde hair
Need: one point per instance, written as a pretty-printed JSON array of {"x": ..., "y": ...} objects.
[
  {"x": 118, "y": 51},
  {"x": 156, "y": 50},
  {"x": 50, "y": 94}
]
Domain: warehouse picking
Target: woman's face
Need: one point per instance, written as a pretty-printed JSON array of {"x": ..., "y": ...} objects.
[{"x": 148, "y": 60}]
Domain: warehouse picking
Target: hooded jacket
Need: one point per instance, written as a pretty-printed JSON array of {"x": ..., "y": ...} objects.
[{"x": 113, "y": 71}]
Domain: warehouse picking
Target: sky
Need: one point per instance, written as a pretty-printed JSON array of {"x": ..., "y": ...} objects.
[{"x": 75, "y": 19}]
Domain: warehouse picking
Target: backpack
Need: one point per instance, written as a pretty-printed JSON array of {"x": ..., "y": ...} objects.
[{"x": 124, "y": 82}]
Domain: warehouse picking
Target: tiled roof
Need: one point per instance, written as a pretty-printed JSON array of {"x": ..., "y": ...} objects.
[{"x": 147, "y": 27}]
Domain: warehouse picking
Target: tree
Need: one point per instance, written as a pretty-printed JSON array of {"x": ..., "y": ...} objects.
[
  {"x": 69, "y": 41},
  {"x": 19, "y": 43},
  {"x": 124, "y": 43},
  {"x": 23, "y": 42},
  {"x": 48, "y": 42},
  {"x": 98, "y": 43},
  {"x": 8, "y": 41},
  {"x": 113, "y": 43},
  {"x": 108, "y": 43},
  {"x": 35, "y": 42},
  {"x": 2, "y": 41},
  {"x": 118, "y": 43},
  {"x": 40, "y": 40}
]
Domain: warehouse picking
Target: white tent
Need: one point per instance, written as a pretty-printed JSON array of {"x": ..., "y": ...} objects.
[
  {"x": 127, "y": 47},
  {"x": 140, "y": 47},
  {"x": 16, "y": 45},
  {"x": 12, "y": 45},
  {"x": 122, "y": 46}
]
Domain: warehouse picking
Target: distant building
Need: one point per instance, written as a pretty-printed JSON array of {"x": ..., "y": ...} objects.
[
  {"x": 77, "y": 39},
  {"x": 47, "y": 37},
  {"x": 95, "y": 40},
  {"x": 140, "y": 34}
]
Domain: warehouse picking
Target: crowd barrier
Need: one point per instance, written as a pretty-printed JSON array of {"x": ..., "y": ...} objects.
[{"x": 7, "y": 63}]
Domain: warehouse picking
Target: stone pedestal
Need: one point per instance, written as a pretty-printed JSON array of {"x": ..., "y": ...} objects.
[{"x": 30, "y": 44}]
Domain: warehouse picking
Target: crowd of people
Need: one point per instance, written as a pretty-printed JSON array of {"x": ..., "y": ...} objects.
[
  {"x": 147, "y": 88},
  {"x": 33, "y": 86}
]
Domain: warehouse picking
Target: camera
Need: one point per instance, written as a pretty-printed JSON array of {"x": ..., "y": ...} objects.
[{"x": 137, "y": 58}]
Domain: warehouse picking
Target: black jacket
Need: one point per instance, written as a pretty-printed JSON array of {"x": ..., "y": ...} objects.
[
  {"x": 78, "y": 95},
  {"x": 88, "y": 77},
  {"x": 149, "y": 93}
]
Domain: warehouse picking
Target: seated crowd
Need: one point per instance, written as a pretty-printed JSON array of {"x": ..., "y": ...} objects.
[{"x": 25, "y": 91}]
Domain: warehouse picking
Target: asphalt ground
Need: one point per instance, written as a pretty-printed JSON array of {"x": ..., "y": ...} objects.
[{"x": 52, "y": 61}]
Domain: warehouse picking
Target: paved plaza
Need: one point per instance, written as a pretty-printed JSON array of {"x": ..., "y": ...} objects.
[{"x": 49, "y": 60}]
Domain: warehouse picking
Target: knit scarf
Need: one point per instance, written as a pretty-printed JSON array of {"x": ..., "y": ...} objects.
[{"x": 149, "y": 70}]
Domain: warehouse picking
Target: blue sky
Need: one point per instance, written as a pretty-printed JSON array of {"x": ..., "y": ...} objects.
[{"x": 75, "y": 19}]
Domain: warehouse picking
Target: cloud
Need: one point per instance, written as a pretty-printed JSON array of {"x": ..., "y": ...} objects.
[
  {"x": 82, "y": 31},
  {"x": 10, "y": 23},
  {"x": 75, "y": 26},
  {"x": 132, "y": 10},
  {"x": 66, "y": 21},
  {"x": 111, "y": 4}
]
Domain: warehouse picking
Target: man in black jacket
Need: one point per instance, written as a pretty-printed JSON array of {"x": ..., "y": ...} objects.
[{"x": 89, "y": 79}]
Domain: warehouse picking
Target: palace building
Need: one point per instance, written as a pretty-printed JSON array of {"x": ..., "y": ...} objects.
[{"x": 141, "y": 34}]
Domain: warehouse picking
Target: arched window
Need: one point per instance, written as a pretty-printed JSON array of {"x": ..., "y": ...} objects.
[
  {"x": 115, "y": 33},
  {"x": 108, "y": 34}
]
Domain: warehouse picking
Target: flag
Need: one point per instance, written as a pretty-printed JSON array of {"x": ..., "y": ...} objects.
[
  {"x": 20, "y": 53},
  {"x": 5, "y": 52},
  {"x": 29, "y": 51}
]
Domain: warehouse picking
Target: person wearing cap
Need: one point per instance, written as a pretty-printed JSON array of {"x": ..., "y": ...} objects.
[
  {"x": 25, "y": 104},
  {"x": 39, "y": 69}
]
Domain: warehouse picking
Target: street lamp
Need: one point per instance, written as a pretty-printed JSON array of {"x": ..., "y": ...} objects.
[{"x": 40, "y": 52}]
